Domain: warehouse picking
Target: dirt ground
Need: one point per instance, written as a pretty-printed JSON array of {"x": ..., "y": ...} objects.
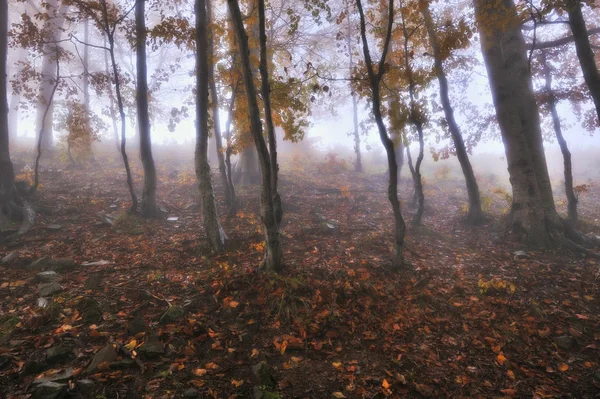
[{"x": 156, "y": 316}]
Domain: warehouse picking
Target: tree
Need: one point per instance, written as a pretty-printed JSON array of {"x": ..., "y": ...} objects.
[
  {"x": 212, "y": 228},
  {"x": 358, "y": 166},
  {"x": 585, "y": 54},
  {"x": 148, "y": 205},
  {"x": 475, "y": 213},
  {"x": 533, "y": 215},
  {"x": 273, "y": 260},
  {"x": 375, "y": 82}
]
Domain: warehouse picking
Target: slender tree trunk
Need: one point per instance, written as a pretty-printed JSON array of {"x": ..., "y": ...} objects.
[
  {"x": 111, "y": 98},
  {"x": 584, "y": 51},
  {"x": 475, "y": 214},
  {"x": 266, "y": 95},
  {"x": 9, "y": 207},
  {"x": 117, "y": 81},
  {"x": 375, "y": 81},
  {"x": 358, "y": 166},
  {"x": 149, "y": 209},
  {"x": 15, "y": 99},
  {"x": 214, "y": 232},
  {"x": 86, "y": 91},
  {"x": 229, "y": 149},
  {"x": 53, "y": 27},
  {"x": 215, "y": 106},
  {"x": 418, "y": 124},
  {"x": 564, "y": 148},
  {"x": 273, "y": 260},
  {"x": 413, "y": 175}
]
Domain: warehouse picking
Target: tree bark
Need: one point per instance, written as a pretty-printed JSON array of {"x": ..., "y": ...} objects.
[
  {"x": 584, "y": 51},
  {"x": 375, "y": 82},
  {"x": 273, "y": 260},
  {"x": 533, "y": 213},
  {"x": 475, "y": 214},
  {"x": 564, "y": 148},
  {"x": 214, "y": 232},
  {"x": 266, "y": 96},
  {"x": 148, "y": 206},
  {"x": 215, "y": 106}
]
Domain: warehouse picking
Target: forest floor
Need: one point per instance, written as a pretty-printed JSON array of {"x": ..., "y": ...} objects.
[{"x": 139, "y": 309}]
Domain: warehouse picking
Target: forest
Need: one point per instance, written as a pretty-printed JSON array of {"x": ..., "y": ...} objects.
[{"x": 278, "y": 199}]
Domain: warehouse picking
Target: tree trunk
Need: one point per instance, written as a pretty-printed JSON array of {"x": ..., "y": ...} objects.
[
  {"x": 111, "y": 103},
  {"x": 266, "y": 95},
  {"x": 533, "y": 214},
  {"x": 15, "y": 99},
  {"x": 9, "y": 209},
  {"x": 358, "y": 166},
  {"x": 229, "y": 148},
  {"x": 475, "y": 214},
  {"x": 584, "y": 51},
  {"x": 214, "y": 232},
  {"x": 273, "y": 260},
  {"x": 418, "y": 124},
  {"x": 86, "y": 90},
  {"x": 248, "y": 173},
  {"x": 215, "y": 106},
  {"x": 53, "y": 27},
  {"x": 149, "y": 209},
  {"x": 375, "y": 81},
  {"x": 117, "y": 81},
  {"x": 564, "y": 148}
]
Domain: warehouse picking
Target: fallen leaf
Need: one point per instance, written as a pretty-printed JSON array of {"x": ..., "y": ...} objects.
[
  {"x": 338, "y": 395},
  {"x": 563, "y": 367},
  {"x": 385, "y": 384},
  {"x": 200, "y": 372}
]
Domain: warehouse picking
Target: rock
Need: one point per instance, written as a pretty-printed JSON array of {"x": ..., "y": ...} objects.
[
  {"x": 10, "y": 257},
  {"x": 59, "y": 353},
  {"x": 94, "y": 281},
  {"x": 47, "y": 276},
  {"x": 50, "y": 390},
  {"x": 96, "y": 263},
  {"x": 5, "y": 360},
  {"x": 106, "y": 354},
  {"x": 264, "y": 375},
  {"x": 191, "y": 393},
  {"x": 137, "y": 325},
  {"x": 564, "y": 342},
  {"x": 90, "y": 310},
  {"x": 172, "y": 315},
  {"x": 58, "y": 264},
  {"x": 152, "y": 347},
  {"x": 54, "y": 227},
  {"x": 43, "y": 302},
  {"x": 63, "y": 376},
  {"x": 520, "y": 255},
  {"x": 85, "y": 385},
  {"x": 49, "y": 289},
  {"x": 172, "y": 219},
  {"x": 33, "y": 367}
]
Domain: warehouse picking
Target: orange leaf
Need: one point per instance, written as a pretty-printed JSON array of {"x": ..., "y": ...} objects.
[
  {"x": 237, "y": 383},
  {"x": 199, "y": 372},
  {"x": 385, "y": 384},
  {"x": 563, "y": 367},
  {"x": 104, "y": 366},
  {"x": 509, "y": 391},
  {"x": 500, "y": 358}
]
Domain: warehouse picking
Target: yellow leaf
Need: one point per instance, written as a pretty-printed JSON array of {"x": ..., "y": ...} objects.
[
  {"x": 511, "y": 374},
  {"x": 284, "y": 345},
  {"x": 500, "y": 358},
  {"x": 197, "y": 383},
  {"x": 131, "y": 344},
  {"x": 237, "y": 383},
  {"x": 199, "y": 372},
  {"x": 233, "y": 304},
  {"x": 338, "y": 395},
  {"x": 385, "y": 384},
  {"x": 255, "y": 353},
  {"x": 563, "y": 367},
  {"x": 337, "y": 365},
  {"x": 297, "y": 359},
  {"x": 589, "y": 297}
]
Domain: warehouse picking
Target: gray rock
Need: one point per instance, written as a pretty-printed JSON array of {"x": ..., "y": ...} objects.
[
  {"x": 47, "y": 276},
  {"x": 43, "y": 302},
  {"x": 96, "y": 263},
  {"x": 152, "y": 347},
  {"x": 172, "y": 315},
  {"x": 564, "y": 342},
  {"x": 106, "y": 354},
  {"x": 90, "y": 310},
  {"x": 61, "y": 377},
  {"x": 137, "y": 325},
  {"x": 34, "y": 367},
  {"x": 264, "y": 375},
  {"x": 50, "y": 390},
  {"x": 191, "y": 393},
  {"x": 58, "y": 354},
  {"x": 49, "y": 289},
  {"x": 54, "y": 227},
  {"x": 520, "y": 255},
  {"x": 58, "y": 264},
  {"x": 122, "y": 364},
  {"x": 10, "y": 257}
]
